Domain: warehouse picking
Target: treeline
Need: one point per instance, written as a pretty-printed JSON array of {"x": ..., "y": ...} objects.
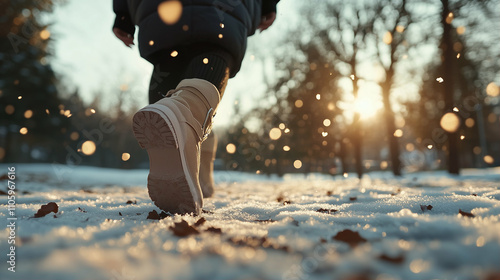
[{"x": 316, "y": 121}]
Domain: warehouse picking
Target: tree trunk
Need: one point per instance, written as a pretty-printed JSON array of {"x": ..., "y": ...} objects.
[
  {"x": 357, "y": 142},
  {"x": 391, "y": 128},
  {"x": 449, "y": 83}
]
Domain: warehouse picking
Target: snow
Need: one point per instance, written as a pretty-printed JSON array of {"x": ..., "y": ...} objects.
[{"x": 89, "y": 239}]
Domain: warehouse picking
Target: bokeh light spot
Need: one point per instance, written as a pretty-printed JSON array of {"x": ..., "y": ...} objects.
[
  {"x": 170, "y": 11},
  {"x": 88, "y": 148},
  {"x": 231, "y": 148},
  {"x": 450, "y": 122}
]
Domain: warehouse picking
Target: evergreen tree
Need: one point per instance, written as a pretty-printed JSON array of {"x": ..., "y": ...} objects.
[{"x": 32, "y": 120}]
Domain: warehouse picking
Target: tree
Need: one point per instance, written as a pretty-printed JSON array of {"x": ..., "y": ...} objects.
[{"x": 30, "y": 116}]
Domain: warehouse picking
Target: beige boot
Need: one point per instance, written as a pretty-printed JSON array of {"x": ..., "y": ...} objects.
[
  {"x": 208, "y": 150},
  {"x": 172, "y": 130}
]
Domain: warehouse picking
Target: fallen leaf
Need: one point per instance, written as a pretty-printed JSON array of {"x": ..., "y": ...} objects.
[
  {"x": 214, "y": 230},
  {"x": 4, "y": 177},
  {"x": 206, "y": 211},
  {"x": 131, "y": 202},
  {"x": 82, "y": 210},
  {"x": 396, "y": 260},
  {"x": 87, "y": 191},
  {"x": 326, "y": 211},
  {"x": 120, "y": 213},
  {"x": 182, "y": 229},
  {"x": 348, "y": 236},
  {"x": 322, "y": 240},
  {"x": 46, "y": 209},
  {"x": 200, "y": 222},
  {"x": 425, "y": 207},
  {"x": 466, "y": 214},
  {"x": 353, "y": 198},
  {"x": 255, "y": 242},
  {"x": 153, "y": 215},
  {"x": 474, "y": 194},
  {"x": 295, "y": 223},
  {"x": 329, "y": 193},
  {"x": 280, "y": 198},
  {"x": 265, "y": 221},
  {"x": 287, "y": 202},
  {"x": 26, "y": 192},
  {"x": 3, "y": 193}
]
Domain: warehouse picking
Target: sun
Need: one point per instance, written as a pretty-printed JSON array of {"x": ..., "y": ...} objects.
[{"x": 368, "y": 103}]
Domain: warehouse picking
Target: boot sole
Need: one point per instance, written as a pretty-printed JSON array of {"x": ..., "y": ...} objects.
[{"x": 153, "y": 131}]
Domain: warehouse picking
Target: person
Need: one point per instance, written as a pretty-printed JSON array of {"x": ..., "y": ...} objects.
[{"x": 195, "y": 47}]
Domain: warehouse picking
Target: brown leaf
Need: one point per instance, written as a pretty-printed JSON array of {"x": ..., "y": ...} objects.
[
  {"x": 396, "y": 260},
  {"x": 131, "y": 202},
  {"x": 322, "y": 240},
  {"x": 326, "y": 211},
  {"x": 348, "y": 236},
  {"x": 3, "y": 193},
  {"x": 120, "y": 213},
  {"x": 153, "y": 215},
  {"x": 82, "y": 210},
  {"x": 287, "y": 202},
  {"x": 353, "y": 198},
  {"x": 466, "y": 214},
  {"x": 4, "y": 177},
  {"x": 255, "y": 242},
  {"x": 329, "y": 193},
  {"x": 206, "y": 211},
  {"x": 265, "y": 221},
  {"x": 426, "y": 207},
  {"x": 87, "y": 191},
  {"x": 474, "y": 194},
  {"x": 214, "y": 230},
  {"x": 280, "y": 198},
  {"x": 200, "y": 222},
  {"x": 183, "y": 229},
  {"x": 46, "y": 209}
]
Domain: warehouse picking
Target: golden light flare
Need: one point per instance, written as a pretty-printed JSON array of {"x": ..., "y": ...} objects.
[
  {"x": 23, "y": 130},
  {"x": 384, "y": 164},
  {"x": 151, "y": 42},
  {"x": 88, "y": 148},
  {"x": 488, "y": 159},
  {"x": 299, "y": 103},
  {"x": 9, "y": 109},
  {"x": 398, "y": 133},
  {"x": 174, "y": 54},
  {"x": 125, "y": 156},
  {"x": 450, "y": 122},
  {"x": 74, "y": 136},
  {"x": 275, "y": 133},
  {"x": 205, "y": 60},
  {"x": 231, "y": 148},
  {"x": 462, "y": 137},
  {"x": 440, "y": 80},
  {"x": 44, "y": 34},
  {"x": 170, "y": 11},
  {"x": 282, "y": 126},
  {"x": 89, "y": 112},
  {"x": 327, "y": 122},
  {"x": 28, "y": 114},
  {"x": 20, "y": 97},
  {"x": 400, "y": 29},
  {"x": 387, "y": 39},
  {"x": 318, "y": 96},
  {"x": 449, "y": 18},
  {"x": 470, "y": 122},
  {"x": 297, "y": 164},
  {"x": 492, "y": 89},
  {"x": 461, "y": 30},
  {"x": 286, "y": 148},
  {"x": 221, "y": 36}
]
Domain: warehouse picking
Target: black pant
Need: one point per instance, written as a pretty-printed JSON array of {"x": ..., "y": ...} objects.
[{"x": 209, "y": 63}]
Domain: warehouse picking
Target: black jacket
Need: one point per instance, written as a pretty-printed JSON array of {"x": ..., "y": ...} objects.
[{"x": 201, "y": 22}]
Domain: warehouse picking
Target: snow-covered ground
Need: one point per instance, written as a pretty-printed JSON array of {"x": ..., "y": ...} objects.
[{"x": 256, "y": 227}]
